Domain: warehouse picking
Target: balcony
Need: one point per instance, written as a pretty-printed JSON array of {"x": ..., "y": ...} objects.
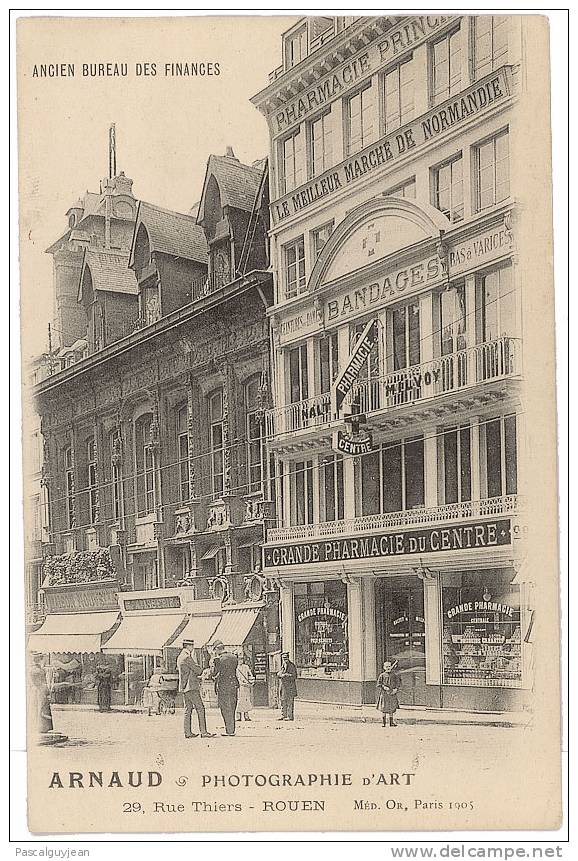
[
  {"x": 213, "y": 282},
  {"x": 454, "y": 512},
  {"x": 456, "y": 372},
  {"x": 80, "y": 567}
]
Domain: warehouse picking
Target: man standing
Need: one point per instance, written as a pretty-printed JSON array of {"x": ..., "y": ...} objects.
[
  {"x": 226, "y": 684},
  {"x": 288, "y": 684},
  {"x": 190, "y": 686}
]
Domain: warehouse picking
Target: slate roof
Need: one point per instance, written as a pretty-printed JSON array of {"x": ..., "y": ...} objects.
[
  {"x": 238, "y": 183},
  {"x": 172, "y": 233},
  {"x": 109, "y": 272}
]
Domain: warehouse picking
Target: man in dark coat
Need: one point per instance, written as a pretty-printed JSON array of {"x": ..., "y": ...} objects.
[
  {"x": 224, "y": 673},
  {"x": 288, "y": 685},
  {"x": 190, "y": 686}
]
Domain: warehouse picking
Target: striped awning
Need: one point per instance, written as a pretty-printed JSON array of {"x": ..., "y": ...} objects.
[
  {"x": 147, "y": 634},
  {"x": 235, "y": 626},
  {"x": 73, "y": 632}
]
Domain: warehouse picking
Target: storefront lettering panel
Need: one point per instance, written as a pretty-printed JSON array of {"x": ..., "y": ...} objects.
[
  {"x": 466, "y": 536},
  {"x": 477, "y": 99}
]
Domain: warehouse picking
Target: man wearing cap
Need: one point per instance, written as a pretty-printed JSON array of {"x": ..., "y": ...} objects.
[
  {"x": 288, "y": 687},
  {"x": 190, "y": 686},
  {"x": 226, "y": 684}
]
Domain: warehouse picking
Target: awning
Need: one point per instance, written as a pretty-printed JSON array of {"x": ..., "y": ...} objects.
[
  {"x": 72, "y": 632},
  {"x": 145, "y": 635},
  {"x": 212, "y": 551},
  {"x": 198, "y": 628},
  {"x": 235, "y": 626}
]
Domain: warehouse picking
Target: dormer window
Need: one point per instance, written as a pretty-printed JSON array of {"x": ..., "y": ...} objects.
[
  {"x": 296, "y": 47},
  {"x": 72, "y": 220}
]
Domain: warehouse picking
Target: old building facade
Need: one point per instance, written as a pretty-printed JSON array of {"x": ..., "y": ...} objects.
[
  {"x": 154, "y": 458},
  {"x": 397, "y": 428}
]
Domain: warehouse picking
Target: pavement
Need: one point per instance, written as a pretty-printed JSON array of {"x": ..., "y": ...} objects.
[{"x": 406, "y": 715}]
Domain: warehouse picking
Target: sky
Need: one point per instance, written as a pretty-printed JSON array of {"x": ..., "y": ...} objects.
[{"x": 166, "y": 127}]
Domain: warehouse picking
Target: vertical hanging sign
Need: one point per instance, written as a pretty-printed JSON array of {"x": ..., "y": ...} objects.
[{"x": 344, "y": 382}]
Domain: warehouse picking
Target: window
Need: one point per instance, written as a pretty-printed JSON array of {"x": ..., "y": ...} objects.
[
  {"x": 115, "y": 470},
  {"x": 255, "y": 436},
  {"x": 318, "y": 239},
  {"x": 301, "y": 488},
  {"x": 398, "y": 96},
  {"x": 490, "y": 39},
  {"x": 298, "y": 374},
  {"x": 392, "y": 478},
  {"x": 497, "y": 305},
  {"x": 404, "y": 189},
  {"x": 295, "y": 47},
  {"x": 482, "y": 632},
  {"x": 455, "y": 457},
  {"x": 216, "y": 438},
  {"x": 291, "y": 162},
  {"x": 360, "y": 120},
  {"x": 91, "y": 472},
  {"x": 405, "y": 329},
  {"x": 448, "y": 189},
  {"x": 69, "y": 483},
  {"x": 446, "y": 66},
  {"x": 321, "y": 626},
  {"x": 150, "y": 305},
  {"x": 453, "y": 316},
  {"x": 145, "y": 477},
  {"x": 492, "y": 165},
  {"x": 328, "y": 361},
  {"x": 331, "y": 488},
  {"x": 295, "y": 268},
  {"x": 499, "y": 447},
  {"x": 320, "y": 144},
  {"x": 183, "y": 454}
]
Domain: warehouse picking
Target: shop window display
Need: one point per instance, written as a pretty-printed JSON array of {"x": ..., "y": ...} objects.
[
  {"x": 482, "y": 636},
  {"x": 321, "y": 624}
]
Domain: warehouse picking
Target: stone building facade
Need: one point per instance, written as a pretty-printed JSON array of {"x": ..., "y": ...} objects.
[
  {"x": 397, "y": 427},
  {"x": 158, "y": 478}
]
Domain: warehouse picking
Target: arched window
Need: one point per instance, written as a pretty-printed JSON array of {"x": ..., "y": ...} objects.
[
  {"x": 183, "y": 453},
  {"x": 115, "y": 471},
  {"x": 216, "y": 435},
  {"x": 69, "y": 485},
  {"x": 254, "y": 435},
  {"x": 144, "y": 461},
  {"x": 91, "y": 475}
]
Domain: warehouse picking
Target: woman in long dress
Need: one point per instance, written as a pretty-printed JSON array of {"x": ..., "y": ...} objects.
[
  {"x": 104, "y": 687},
  {"x": 388, "y": 684},
  {"x": 246, "y": 682}
]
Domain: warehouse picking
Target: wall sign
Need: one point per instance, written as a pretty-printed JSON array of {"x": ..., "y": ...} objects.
[
  {"x": 164, "y": 602},
  {"x": 488, "y": 245},
  {"x": 473, "y": 101},
  {"x": 351, "y": 72},
  {"x": 344, "y": 382},
  {"x": 466, "y": 536}
]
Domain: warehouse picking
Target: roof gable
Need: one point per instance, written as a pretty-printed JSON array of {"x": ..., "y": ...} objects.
[
  {"x": 172, "y": 233},
  {"x": 238, "y": 183},
  {"x": 109, "y": 272}
]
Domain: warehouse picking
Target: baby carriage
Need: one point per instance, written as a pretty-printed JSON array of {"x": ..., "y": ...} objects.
[{"x": 160, "y": 693}]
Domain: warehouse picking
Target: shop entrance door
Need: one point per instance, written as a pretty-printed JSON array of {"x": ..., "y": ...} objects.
[{"x": 400, "y": 628}]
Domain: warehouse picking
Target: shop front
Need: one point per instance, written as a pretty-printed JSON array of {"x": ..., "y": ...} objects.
[
  {"x": 456, "y": 619},
  {"x": 80, "y": 620}
]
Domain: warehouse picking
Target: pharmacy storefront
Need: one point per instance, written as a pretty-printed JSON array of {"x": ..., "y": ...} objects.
[{"x": 459, "y": 629}]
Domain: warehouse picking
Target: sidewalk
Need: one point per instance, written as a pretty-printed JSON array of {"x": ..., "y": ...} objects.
[{"x": 410, "y": 715}]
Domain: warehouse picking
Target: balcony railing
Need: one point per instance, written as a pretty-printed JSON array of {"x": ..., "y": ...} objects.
[
  {"x": 454, "y": 512},
  {"x": 314, "y": 412},
  {"x": 210, "y": 284},
  {"x": 463, "y": 369},
  {"x": 493, "y": 360}
]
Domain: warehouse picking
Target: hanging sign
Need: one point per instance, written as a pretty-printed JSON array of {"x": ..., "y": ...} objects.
[
  {"x": 344, "y": 382},
  {"x": 352, "y": 444}
]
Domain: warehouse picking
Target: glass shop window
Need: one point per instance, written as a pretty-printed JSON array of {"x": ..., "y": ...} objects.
[
  {"x": 482, "y": 635},
  {"x": 321, "y": 626}
]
